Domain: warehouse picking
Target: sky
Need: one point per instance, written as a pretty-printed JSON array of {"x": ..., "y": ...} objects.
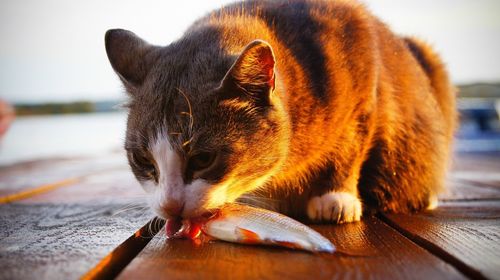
[{"x": 53, "y": 50}]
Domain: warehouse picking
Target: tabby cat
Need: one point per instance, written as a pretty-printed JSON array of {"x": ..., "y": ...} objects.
[{"x": 311, "y": 108}]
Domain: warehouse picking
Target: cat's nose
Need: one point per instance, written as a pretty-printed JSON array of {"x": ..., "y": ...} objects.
[{"x": 174, "y": 208}]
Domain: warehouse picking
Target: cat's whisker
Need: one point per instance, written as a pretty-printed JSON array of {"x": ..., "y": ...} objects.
[
  {"x": 145, "y": 213},
  {"x": 150, "y": 229},
  {"x": 138, "y": 207},
  {"x": 129, "y": 208},
  {"x": 190, "y": 113},
  {"x": 258, "y": 203},
  {"x": 259, "y": 198},
  {"x": 153, "y": 225},
  {"x": 159, "y": 222},
  {"x": 133, "y": 204},
  {"x": 187, "y": 142}
]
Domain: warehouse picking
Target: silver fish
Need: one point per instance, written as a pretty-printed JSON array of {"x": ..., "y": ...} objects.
[{"x": 249, "y": 225}]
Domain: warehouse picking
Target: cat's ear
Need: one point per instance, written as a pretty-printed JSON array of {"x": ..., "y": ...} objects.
[
  {"x": 253, "y": 72},
  {"x": 128, "y": 55}
]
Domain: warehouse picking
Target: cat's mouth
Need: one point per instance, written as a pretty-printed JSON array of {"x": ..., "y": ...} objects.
[
  {"x": 184, "y": 228},
  {"x": 177, "y": 228}
]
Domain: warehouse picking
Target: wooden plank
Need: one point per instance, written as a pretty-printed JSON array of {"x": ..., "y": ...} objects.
[
  {"x": 118, "y": 185},
  {"x": 27, "y": 193},
  {"x": 111, "y": 265},
  {"x": 46, "y": 241},
  {"x": 26, "y": 176},
  {"x": 483, "y": 169},
  {"x": 483, "y": 162},
  {"x": 65, "y": 232},
  {"x": 381, "y": 253},
  {"x": 479, "y": 178},
  {"x": 467, "y": 191},
  {"x": 466, "y": 234}
]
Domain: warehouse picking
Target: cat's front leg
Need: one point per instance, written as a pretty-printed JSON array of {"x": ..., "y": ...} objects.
[{"x": 337, "y": 203}]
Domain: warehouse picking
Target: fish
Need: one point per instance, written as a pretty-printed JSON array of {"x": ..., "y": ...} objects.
[{"x": 249, "y": 225}]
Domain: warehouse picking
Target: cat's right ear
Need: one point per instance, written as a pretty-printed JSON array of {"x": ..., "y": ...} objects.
[
  {"x": 253, "y": 73},
  {"x": 129, "y": 56}
]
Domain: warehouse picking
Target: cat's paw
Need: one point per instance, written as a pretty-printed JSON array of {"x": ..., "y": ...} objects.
[{"x": 338, "y": 207}]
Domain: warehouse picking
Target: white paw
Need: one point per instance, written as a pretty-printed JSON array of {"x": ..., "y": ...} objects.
[{"x": 339, "y": 207}]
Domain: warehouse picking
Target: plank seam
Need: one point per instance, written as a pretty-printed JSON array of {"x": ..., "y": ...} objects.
[
  {"x": 434, "y": 249},
  {"x": 113, "y": 264}
]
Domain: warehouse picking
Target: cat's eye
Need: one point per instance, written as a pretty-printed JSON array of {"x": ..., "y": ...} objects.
[
  {"x": 144, "y": 163},
  {"x": 151, "y": 173},
  {"x": 201, "y": 161}
]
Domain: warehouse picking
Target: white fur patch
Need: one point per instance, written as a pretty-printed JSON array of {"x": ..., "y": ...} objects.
[
  {"x": 171, "y": 189},
  {"x": 148, "y": 186},
  {"x": 170, "y": 169},
  {"x": 196, "y": 198},
  {"x": 339, "y": 207}
]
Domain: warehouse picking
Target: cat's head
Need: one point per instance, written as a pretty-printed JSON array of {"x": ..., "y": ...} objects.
[{"x": 204, "y": 126}]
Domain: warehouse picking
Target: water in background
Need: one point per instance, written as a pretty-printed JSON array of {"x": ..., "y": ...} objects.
[
  {"x": 38, "y": 137},
  {"x": 41, "y": 137}
]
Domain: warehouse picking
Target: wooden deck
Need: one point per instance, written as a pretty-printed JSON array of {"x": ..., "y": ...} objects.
[{"x": 68, "y": 218}]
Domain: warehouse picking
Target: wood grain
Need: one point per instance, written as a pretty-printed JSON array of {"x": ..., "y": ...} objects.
[
  {"x": 465, "y": 190},
  {"x": 63, "y": 241},
  {"x": 482, "y": 169},
  {"x": 25, "y": 176},
  {"x": 20, "y": 195},
  {"x": 380, "y": 253},
  {"x": 480, "y": 162},
  {"x": 117, "y": 185},
  {"x": 111, "y": 265},
  {"x": 64, "y": 232},
  {"x": 466, "y": 234}
]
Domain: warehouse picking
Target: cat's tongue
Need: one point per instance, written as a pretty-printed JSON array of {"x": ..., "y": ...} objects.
[
  {"x": 173, "y": 226},
  {"x": 177, "y": 228}
]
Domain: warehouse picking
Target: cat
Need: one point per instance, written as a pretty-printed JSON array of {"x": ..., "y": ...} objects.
[{"x": 311, "y": 108}]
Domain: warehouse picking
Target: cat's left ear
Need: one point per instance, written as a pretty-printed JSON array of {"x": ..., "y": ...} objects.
[
  {"x": 130, "y": 57},
  {"x": 253, "y": 72}
]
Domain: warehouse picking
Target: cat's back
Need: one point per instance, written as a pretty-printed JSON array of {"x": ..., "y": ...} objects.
[{"x": 311, "y": 41}]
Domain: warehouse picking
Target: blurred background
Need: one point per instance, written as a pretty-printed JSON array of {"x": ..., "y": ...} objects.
[{"x": 55, "y": 76}]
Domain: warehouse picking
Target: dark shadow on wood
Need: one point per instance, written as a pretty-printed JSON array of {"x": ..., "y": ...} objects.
[{"x": 110, "y": 266}]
